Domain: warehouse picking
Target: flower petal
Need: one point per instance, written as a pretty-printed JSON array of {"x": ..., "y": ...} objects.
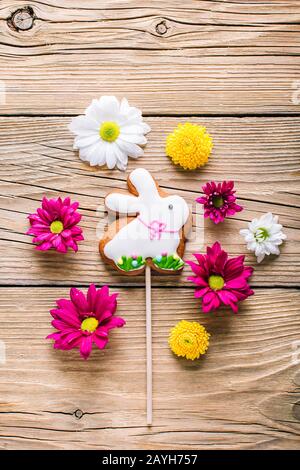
[
  {"x": 100, "y": 341},
  {"x": 113, "y": 322},
  {"x": 91, "y": 297},
  {"x": 86, "y": 346},
  {"x": 133, "y": 138},
  {"x": 79, "y": 300},
  {"x": 111, "y": 158},
  {"x": 132, "y": 150},
  {"x": 82, "y": 125}
]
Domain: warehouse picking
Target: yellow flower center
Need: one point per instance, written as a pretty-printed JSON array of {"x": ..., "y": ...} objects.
[
  {"x": 187, "y": 340},
  {"x": 56, "y": 226},
  {"x": 216, "y": 282},
  {"x": 109, "y": 131},
  {"x": 89, "y": 324},
  {"x": 189, "y": 146}
]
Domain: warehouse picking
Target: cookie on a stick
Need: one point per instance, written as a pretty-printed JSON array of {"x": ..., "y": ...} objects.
[{"x": 149, "y": 233}]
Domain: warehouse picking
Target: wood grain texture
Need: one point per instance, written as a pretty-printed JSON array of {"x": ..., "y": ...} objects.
[
  {"x": 162, "y": 26},
  {"x": 214, "y": 58},
  {"x": 262, "y": 156},
  {"x": 242, "y": 394}
]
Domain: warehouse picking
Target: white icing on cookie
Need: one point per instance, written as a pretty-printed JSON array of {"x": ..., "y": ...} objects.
[{"x": 155, "y": 230}]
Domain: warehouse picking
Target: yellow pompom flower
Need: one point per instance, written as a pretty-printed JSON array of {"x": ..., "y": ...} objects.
[
  {"x": 189, "y": 339},
  {"x": 189, "y": 146}
]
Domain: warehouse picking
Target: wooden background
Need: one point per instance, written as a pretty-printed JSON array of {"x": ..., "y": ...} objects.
[{"x": 232, "y": 66}]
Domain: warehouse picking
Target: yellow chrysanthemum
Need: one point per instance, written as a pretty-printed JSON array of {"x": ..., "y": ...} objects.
[
  {"x": 189, "y": 146},
  {"x": 189, "y": 339}
]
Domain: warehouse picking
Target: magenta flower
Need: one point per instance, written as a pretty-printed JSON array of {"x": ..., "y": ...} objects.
[
  {"x": 220, "y": 280},
  {"x": 85, "y": 320},
  {"x": 219, "y": 201},
  {"x": 54, "y": 225}
]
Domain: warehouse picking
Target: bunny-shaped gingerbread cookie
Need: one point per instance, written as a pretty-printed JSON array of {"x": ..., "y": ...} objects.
[{"x": 152, "y": 231}]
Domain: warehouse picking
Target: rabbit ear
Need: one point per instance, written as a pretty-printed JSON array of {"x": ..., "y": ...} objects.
[
  {"x": 143, "y": 182},
  {"x": 122, "y": 203}
]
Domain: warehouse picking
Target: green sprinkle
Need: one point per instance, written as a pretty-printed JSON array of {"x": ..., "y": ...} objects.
[
  {"x": 170, "y": 263},
  {"x": 126, "y": 264}
]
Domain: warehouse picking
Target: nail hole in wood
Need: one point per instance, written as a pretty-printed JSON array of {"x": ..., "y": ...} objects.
[
  {"x": 78, "y": 414},
  {"x": 161, "y": 28},
  {"x": 22, "y": 19}
]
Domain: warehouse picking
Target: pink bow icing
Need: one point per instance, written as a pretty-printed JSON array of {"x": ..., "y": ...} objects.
[{"x": 156, "y": 228}]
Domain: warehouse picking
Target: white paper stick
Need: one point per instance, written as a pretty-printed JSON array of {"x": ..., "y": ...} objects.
[{"x": 148, "y": 344}]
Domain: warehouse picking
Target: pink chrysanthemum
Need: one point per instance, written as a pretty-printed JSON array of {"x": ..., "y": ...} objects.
[
  {"x": 54, "y": 225},
  {"x": 219, "y": 201},
  {"x": 220, "y": 280},
  {"x": 85, "y": 320}
]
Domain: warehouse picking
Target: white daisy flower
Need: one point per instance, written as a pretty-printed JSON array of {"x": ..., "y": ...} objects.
[
  {"x": 264, "y": 235},
  {"x": 109, "y": 133}
]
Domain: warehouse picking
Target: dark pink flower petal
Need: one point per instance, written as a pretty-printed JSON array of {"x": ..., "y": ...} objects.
[
  {"x": 237, "y": 283},
  {"x": 67, "y": 304},
  {"x": 44, "y": 246},
  {"x": 199, "y": 281},
  {"x": 42, "y": 237},
  {"x": 196, "y": 268},
  {"x": 209, "y": 297},
  {"x": 71, "y": 243},
  {"x": 39, "y": 227},
  {"x": 101, "y": 332},
  {"x": 79, "y": 300},
  {"x": 67, "y": 316},
  {"x": 234, "y": 267},
  {"x": 248, "y": 271},
  {"x": 201, "y": 292},
  {"x": 73, "y": 338},
  {"x": 220, "y": 261},
  {"x": 62, "y": 326},
  {"x": 100, "y": 342},
  {"x": 102, "y": 299},
  {"x": 113, "y": 322},
  {"x": 213, "y": 251},
  {"x": 200, "y": 258},
  {"x": 214, "y": 304},
  {"x": 201, "y": 200},
  {"x": 91, "y": 297},
  {"x": 86, "y": 346},
  {"x": 54, "y": 336},
  {"x": 105, "y": 316},
  {"x": 241, "y": 295},
  {"x": 66, "y": 233},
  {"x": 227, "y": 297},
  {"x": 61, "y": 248}
]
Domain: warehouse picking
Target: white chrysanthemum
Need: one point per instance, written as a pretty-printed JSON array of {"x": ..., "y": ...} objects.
[
  {"x": 109, "y": 133},
  {"x": 263, "y": 236}
]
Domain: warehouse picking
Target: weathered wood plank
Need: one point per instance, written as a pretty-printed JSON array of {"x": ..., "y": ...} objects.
[
  {"x": 261, "y": 155},
  {"x": 197, "y": 67},
  {"x": 168, "y": 27},
  {"x": 159, "y": 82},
  {"x": 224, "y": 13},
  {"x": 242, "y": 395}
]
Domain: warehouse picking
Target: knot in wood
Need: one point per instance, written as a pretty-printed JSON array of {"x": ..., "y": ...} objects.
[
  {"x": 78, "y": 414},
  {"x": 161, "y": 28},
  {"x": 22, "y": 19}
]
